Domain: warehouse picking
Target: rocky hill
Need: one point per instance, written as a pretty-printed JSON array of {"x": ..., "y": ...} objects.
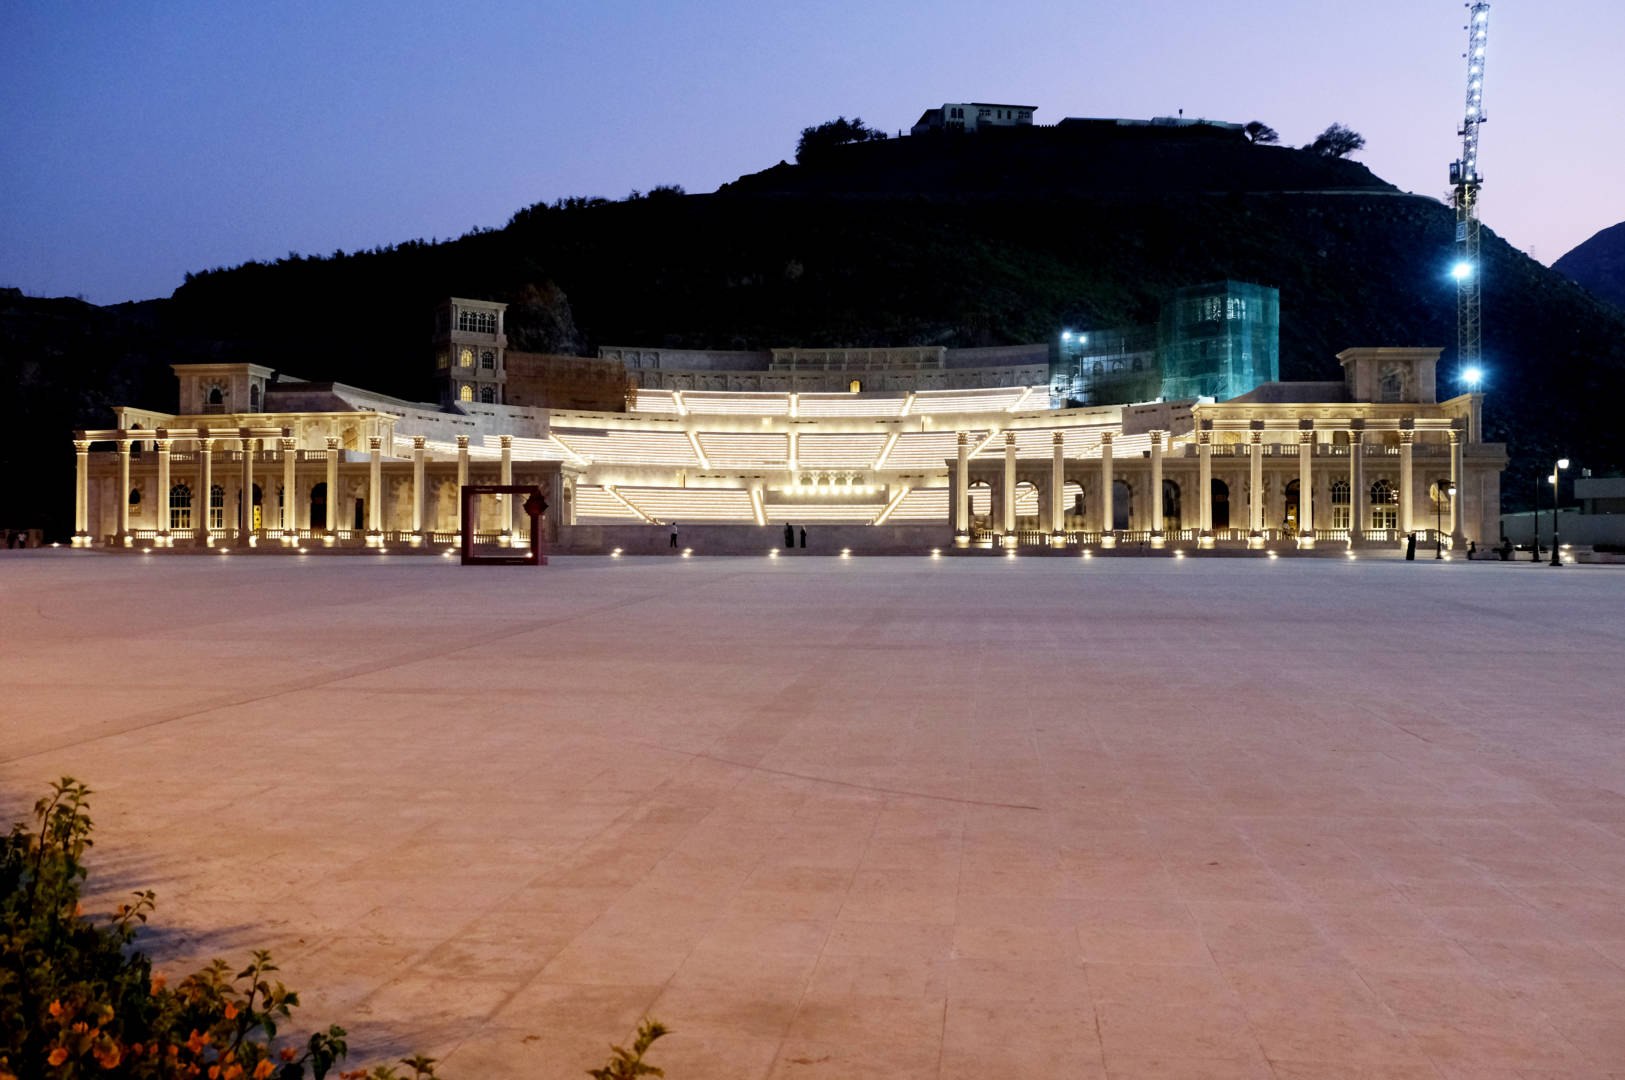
[
  {"x": 951, "y": 240},
  {"x": 1599, "y": 265}
]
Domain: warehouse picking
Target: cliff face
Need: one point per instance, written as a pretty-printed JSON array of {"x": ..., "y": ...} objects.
[
  {"x": 1599, "y": 265},
  {"x": 961, "y": 242}
]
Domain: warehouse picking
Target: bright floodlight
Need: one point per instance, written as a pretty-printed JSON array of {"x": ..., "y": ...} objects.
[
  {"x": 1473, "y": 375},
  {"x": 1462, "y": 270},
  {"x": 1563, "y": 463},
  {"x": 1066, "y": 335}
]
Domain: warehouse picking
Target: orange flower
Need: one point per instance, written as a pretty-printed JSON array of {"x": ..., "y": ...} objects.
[
  {"x": 109, "y": 1058},
  {"x": 232, "y": 1073},
  {"x": 214, "y": 1072},
  {"x": 231, "y": 1010},
  {"x": 80, "y": 1028},
  {"x": 288, "y": 1053},
  {"x": 55, "y": 1009},
  {"x": 197, "y": 1041},
  {"x": 264, "y": 1069},
  {"x": 58, "y": 1056}
]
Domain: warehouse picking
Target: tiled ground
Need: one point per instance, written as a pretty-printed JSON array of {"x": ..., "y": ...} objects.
[{"x": 896, "y": 818}]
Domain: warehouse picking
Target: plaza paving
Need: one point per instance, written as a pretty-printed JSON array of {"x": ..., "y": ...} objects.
[{"x": 964, "y": 818}]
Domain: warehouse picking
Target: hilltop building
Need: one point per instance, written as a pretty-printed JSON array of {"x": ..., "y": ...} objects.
[
  {"x": 972, "y": 116},
  {"x": 887, "y": 459}
]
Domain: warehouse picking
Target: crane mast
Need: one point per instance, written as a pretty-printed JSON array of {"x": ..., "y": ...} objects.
[{"x": 1465, "y": 178}]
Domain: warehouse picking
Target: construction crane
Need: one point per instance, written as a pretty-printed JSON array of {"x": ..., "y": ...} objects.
[{"x": 1465, "y": 178}]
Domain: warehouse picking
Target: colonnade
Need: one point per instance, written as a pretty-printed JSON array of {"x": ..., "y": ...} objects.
[
  {"x": 1313, "y": 513},
  {"x": 250, "y": 441}
]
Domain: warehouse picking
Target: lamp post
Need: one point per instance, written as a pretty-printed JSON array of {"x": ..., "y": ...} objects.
[
  {"x": 1438, "y": 518},
  {"x": 1562, "y": 463}
]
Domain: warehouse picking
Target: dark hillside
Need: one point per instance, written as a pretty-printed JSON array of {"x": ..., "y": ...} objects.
[
  {"x": 978, "y": 243},
  {"x": 1599, "y": 265}
]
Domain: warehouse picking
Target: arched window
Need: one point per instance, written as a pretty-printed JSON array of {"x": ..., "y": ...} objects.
[
  {"x": 1292, "y": 516},
  {"x": 981, "y": 501},
  {"x": 1171, "y": 518},
  {"x": 1026, "y": 501},
  {"x": 254, "y": 398},
  {"x": 465, "y": 392},
  {"x": 1439, "y": 492},
  {"x": 318, "y": 506},
  {"x": 488, "y": 360},
  {"x": 1340, "y": 504},
  {"x": 217, "y": 507},
  {"x": 488, "y": 394},
  {"x": 465, "y": 357},
  {"x": 1122, "y": 504},
  {"x": 215, "y": 397},
  {"x": 855, "y": 386},
  {"x": 135, "y": 498},
  {"x": 1384, "y": 506},
  {"x": 180, "y": 507}
]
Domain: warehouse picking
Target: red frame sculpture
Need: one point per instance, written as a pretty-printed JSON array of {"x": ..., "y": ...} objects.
[{"x": 535, "y": 507}]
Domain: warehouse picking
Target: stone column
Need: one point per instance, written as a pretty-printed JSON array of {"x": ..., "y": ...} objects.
[
  {"x": 331, "y": 524},
  {"x": 375, "y": 491},
  {"x": 290, "y": 458},
  {"x": 162, "y": 499},
  {"x": 124, "y": 492},
  {"x": 1155, "y": 493},
  {"x": 1407, "y": 492},
  {"x": 417, "y": 488},
  {"x": 1306, "y": 484},
  {"x": 205, "y": 473},
  {"x": 1009, "y": 492},
  {"x": 1204, "y": 480},
  {"x": 1107, "y": 535},
  {"x": 504, "y": 513},
  {"x": 961, "y": 492},
  {"x": 462, "y": 480},
  {"x": 245, "y": 501},
  {"x": 1359, "y": 498},
  {"x": 81, "y": 493},
  {"x": 1057, "y": 489},
  {"x": 1457, "y": 537},
  {"x": 1255, "y": 485}
]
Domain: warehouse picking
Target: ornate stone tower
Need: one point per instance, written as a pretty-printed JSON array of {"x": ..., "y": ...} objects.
[{"x": 469, "y": 345}]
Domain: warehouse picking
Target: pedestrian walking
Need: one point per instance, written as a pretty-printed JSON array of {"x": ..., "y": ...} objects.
[{"x": 674, "y": 534}]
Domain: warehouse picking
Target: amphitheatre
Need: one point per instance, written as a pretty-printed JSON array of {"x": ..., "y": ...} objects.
[{"x": 1200, "y": 777}]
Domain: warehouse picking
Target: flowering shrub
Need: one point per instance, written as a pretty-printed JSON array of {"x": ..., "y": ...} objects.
[{"x": 77, "y": 1001}]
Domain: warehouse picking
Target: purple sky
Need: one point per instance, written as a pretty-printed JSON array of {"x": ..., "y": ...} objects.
[{"x": 145, "y": 139}]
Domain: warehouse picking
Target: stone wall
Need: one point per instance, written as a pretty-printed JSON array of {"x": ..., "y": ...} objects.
[
  {"x": 551, "y": 381},
  {"x": 752, "y": 539}
]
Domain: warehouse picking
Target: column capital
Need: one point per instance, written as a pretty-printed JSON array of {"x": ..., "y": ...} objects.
[
  {"x": 332, "y": 442},
  {"x": 123, "y": 446},
  {"x": 1406, "y": 437},
  {"x": 163, "y": 445},
  {"x": 375, "y": 443},
  {"x": 1107, "y": 436},
  {"x": 1356, "y": 436},
  {"x": 1455, "y": 436},
  {"x": 205, "y": 443},
  {"x": 964, "y": 437},
  {"x": 1204, "y": 438},
  {"x": 1306, "y": 436},
  {"x": 418, "y": 441},
  {"x": 287, "y": 443},
  {"x": 462, "y": 442},
  {"x": 1009, "y": 438},
  {"x": 1058, "y": 439},
  {"x": 507, "y": 441},
  {"x": 1256, "y": 436}
]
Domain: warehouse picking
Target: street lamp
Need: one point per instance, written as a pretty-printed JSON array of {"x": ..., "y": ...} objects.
[
  {"x": 1562, "y": 463},
  {"x": 1438, "y": 517}
]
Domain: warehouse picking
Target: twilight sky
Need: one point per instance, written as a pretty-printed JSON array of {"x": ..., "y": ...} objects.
[{"x": 146, "y": 138}]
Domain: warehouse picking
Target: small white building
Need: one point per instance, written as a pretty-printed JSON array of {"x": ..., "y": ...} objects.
[{"x": 972, "y": 115}]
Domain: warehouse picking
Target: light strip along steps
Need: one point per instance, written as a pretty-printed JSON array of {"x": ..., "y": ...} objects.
[
  {"x": 839, "y": 451},
  {"x": 736, "y": 450},
  {"x": 691, "y": 504}
]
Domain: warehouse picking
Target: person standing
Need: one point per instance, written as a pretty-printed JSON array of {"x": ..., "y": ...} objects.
[
  {"x": 674, "y": 534},
  {"x": 804, "y": 536},
  {"x": 789, "y": 535}
]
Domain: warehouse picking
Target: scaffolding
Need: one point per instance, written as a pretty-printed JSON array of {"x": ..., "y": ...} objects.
[{"x": 1219, "y": 340}]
